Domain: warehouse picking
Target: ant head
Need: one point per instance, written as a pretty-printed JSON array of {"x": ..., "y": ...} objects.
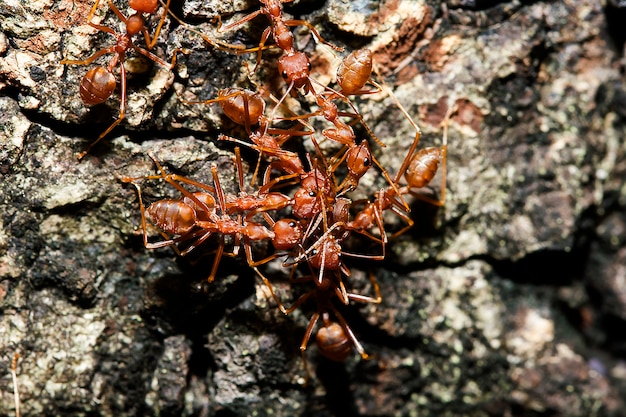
[
  {"x": 135, "y": 24},
  {"x": 295, "y": 69},
  {"x": 305, "y": 204},
  {"x": 288, "y": 234},
  {"x": 328, "y": 256},
  {"x": 359, "y": 159},
  {"x": 144, "y": 6}
]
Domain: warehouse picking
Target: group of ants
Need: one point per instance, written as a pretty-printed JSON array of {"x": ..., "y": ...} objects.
[{"x": 300, "y": 204}]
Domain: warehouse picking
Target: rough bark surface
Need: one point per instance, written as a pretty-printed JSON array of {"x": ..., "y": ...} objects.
[{"x": 508, "y": 301}]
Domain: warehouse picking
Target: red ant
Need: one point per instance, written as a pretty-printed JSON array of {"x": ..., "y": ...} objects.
[
  {"x": 357, "y": 155},
  {"x": 98, "y": 84},
  {"x": 194, "y": 218},
  {"x": 419, "y": 168},
  {"x": 278, "y": 28},
  {"x": 334, "y": 339},
  {"x": 183, "y": 217}
]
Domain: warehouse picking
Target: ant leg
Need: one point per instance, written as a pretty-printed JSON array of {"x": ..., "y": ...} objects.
[
  {"x": 367, "y": 299},
  {"x": 142, "y": 209},
  {"x": 270, "y": 287},
  {"x": 16, "y": 391},
  {"x": 239, "y": 167},
  {"x": 281, "y": 307},
  {"x": 204, "y": 235},
  {"x": 92, "y": 12},
  {"x": 357, "y": 345},
  {"x": 222, "y": 46},
  {"x": 404, "y": 217},
  {"x": 120, "y": 117},
  {"x": 268, "y": 184},
  {"x": 218, "y": 189},
  {"x": 151, "y": 42},
  {"x": 259, "y": 55},
  {"x": 314, "y": 31},
  {"x": 340, "y": 288},
  {"x": 90, "y": 59},
  {"x": 159, "y": 60},
  {"x": 216, "y": 261},
  {"x": 213, "y": 100},
  {"x": 241, "y": 21},
  {"x": 117, "y": 11},
  {"x": 304, "y": 344}
]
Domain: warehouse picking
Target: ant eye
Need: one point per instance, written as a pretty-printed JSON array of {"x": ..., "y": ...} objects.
[
  {"x": 312, "y": 193},
  {"x": 367, "y": 162},
  {"x": 292, "y": 224},
  {"x": 284, "y": 74},
  {"x": 308, "y": 65}
]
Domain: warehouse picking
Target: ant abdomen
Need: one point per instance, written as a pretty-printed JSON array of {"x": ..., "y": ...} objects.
[
  {"x": 333, "y": 342},
  {"x": 97, "y": 86},
  {"x": 423, "y": 167},
  {"x": 172, "y": 216},
  {"x": 354, "y": 71},
  {"x": 234, "y": 102}
]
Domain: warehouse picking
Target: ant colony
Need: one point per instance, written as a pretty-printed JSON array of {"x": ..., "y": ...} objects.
[{"x": 310, "y": 224}]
